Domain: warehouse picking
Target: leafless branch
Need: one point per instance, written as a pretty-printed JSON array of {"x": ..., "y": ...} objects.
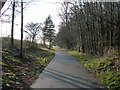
[{"x": 6, "y": 9}]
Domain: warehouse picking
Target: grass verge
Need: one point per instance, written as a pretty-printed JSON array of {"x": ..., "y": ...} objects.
[
  {"x": 21, "y": 73},
  {"x": 107, "y": 69}
]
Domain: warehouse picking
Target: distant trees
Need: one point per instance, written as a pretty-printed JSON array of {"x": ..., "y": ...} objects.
[
  {"x": 91, "y": 27},
  {"x": 32, "y": 29},
  {"x": 48, "y": 31}
]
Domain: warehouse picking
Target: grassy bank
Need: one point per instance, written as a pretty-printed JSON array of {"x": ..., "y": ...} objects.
[
  {"x": 107, "y": 69},
  {"x": 22, "y": 72}
]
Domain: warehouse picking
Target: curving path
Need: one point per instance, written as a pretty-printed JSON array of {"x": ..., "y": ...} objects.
[{"x": 66, "y": 72}]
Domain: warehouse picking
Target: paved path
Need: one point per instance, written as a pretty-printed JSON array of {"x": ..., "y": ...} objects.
[{"x": 66, "y": 72}]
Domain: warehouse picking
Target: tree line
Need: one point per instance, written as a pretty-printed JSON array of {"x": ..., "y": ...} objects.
[{"x": 90, "y": 27}]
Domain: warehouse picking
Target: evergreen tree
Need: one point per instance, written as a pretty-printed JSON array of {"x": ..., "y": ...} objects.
[{"x": 48, "y": 31}]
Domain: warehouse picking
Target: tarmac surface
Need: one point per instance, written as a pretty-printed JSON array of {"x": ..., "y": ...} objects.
[{"x": 64, "y": 71}]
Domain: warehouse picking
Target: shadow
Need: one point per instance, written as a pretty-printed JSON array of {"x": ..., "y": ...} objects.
[
  {"x": 98, "y": 84},
  {"x": 71, "y": 80},
  {"x": 56, "y": 77},
  {"x": 67, "y": 80},
  {"x": 11, "y": 68}
]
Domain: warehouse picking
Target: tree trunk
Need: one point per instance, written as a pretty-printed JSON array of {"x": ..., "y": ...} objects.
[
  {"x": 50, "y": 45},
  {"x": 44, "y": 43},
  {"x": 21, "y": 49},
  {"x": 13, "y": 10}
]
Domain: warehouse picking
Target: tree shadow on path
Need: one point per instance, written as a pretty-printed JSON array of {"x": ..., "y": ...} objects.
[{"x": 75, "y": 81}]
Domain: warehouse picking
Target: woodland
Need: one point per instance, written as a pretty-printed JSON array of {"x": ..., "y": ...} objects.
[{"x": 90, "y": 27}]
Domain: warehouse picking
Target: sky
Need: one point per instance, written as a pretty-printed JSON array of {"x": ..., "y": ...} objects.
[{"x": 37, "y": 11}]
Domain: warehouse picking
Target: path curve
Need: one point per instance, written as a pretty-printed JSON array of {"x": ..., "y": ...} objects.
[{"x": 65, "y": 71}]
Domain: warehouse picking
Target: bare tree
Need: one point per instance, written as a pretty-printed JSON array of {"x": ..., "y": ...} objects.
[
  {"x": 32, "y": 29},
  {"x": 93, "y": 27}
]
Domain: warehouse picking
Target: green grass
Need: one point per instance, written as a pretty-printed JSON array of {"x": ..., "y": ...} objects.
[
  {"x": 22, "y": 72},
  {"x": 106, "y": 69}
]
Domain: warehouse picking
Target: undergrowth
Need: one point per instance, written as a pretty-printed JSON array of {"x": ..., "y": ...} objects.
[
  {"x": 107, "y": 69},
  {"x": 22, "y": 72}
]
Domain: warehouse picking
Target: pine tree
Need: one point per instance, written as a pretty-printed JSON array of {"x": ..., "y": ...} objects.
[{"x": 48, "y": 31}]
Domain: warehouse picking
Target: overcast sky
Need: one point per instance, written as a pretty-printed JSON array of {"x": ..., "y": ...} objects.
[{"x": 36, "y": 12}]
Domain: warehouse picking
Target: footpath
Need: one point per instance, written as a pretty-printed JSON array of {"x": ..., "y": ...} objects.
[{"x": 65, "y": 71}]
